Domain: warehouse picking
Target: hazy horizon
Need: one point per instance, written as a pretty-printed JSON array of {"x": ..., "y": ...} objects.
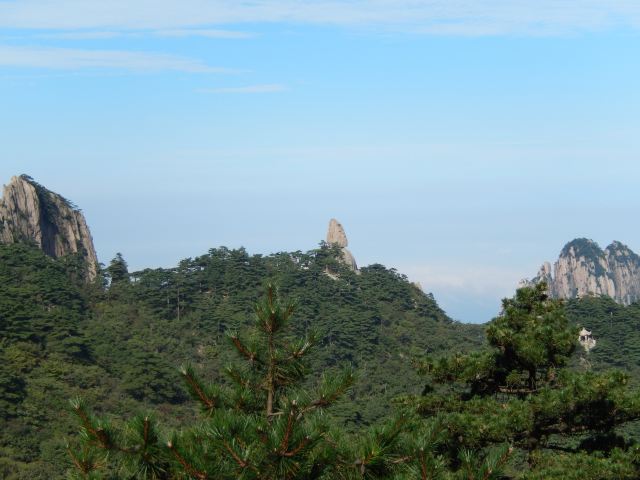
[
  {"x": 468, "y": 291},
  {"x": 462, "y": 143}
]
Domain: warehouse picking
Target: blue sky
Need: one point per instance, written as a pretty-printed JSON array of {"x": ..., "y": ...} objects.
[{"x": 461, "y": 142}]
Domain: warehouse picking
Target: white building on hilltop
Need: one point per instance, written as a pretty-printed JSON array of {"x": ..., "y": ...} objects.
[{"x": 586, "y": 339}]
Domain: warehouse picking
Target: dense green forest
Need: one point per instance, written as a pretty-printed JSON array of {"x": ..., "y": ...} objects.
[
  {"x": 512, "y": 409},
  {"x": 120, "y": 346},
  {"x": 616, "y": 329}
]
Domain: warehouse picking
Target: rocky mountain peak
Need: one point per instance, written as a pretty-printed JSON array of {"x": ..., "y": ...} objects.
[
  {"x": 620, "y": 250},
  {"x": 31, "y": 213},
  {"x": 583, "y": 246},
  {"x": 616, "y": 245},
  {"x": 583, "y": 268},
  {"x": 337, "y": 236}
]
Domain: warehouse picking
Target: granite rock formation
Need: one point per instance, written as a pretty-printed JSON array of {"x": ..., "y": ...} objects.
[
  {"x": 583, "y": 268},
  {"x": 31, "y": 213},
  {"x": 337, "y": 236}
]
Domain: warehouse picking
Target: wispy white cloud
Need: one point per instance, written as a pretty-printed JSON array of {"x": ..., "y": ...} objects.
[
  {"x": 479, "y": 279},
  {"x": 266, "y": 88},
  {"x": 457, "y": 17},
  {"x": 80, "y": 35},
  {"x": 169, "y": 33},
  {"x": 203, "y": 32},
  {"x": 470, "y": 292},
  {"x": 74, "y": 59}
]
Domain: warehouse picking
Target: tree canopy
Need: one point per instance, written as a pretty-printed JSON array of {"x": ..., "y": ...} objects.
[{"x": 520, "y": 391}]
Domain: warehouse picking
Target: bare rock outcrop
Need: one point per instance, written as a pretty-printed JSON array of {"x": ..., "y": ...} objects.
[
  {"x": 583, "y": 268},
  {"x": 624, "y": 271},
  {"x": 31, "y": 213},
  {"x": 337, "y": 236}
]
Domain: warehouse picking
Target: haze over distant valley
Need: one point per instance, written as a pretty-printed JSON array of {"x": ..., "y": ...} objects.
[{"x": 467, "y": 285}]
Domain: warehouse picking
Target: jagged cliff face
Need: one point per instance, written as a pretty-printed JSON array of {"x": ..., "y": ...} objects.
[
  {"x": 337, "y": 236},
  {"x": 583, "y": 268},
  {"x": 31, "y": 213},
  {"x": 624, "y": 271}
]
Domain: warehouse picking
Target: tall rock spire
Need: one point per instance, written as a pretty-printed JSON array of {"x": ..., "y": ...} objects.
[{"x": 337, "y": 236}]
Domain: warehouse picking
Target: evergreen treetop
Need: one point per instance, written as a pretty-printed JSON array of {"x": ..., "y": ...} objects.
[{"x": 520, "y": 391}]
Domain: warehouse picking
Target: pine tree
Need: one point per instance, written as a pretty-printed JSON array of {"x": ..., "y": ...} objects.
[
  {"x": 118, "y": 270},
  {"x": 259, "y": 426},
  {"x": 521, "y": 392}
]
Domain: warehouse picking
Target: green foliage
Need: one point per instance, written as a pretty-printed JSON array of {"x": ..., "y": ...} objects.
[
  {"x": 520, "y": 391},
  {"x": 376, "y": 320},
  {"x": 615, "y": 328},
  {"x": 262, "y": 427},
  {"x": 118, "y": 270},
  {"x": 44, "y": 358},
  {"x": 527, "y": 389}
]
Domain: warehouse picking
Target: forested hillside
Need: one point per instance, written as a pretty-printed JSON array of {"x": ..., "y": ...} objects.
[
  {"x": 513, "y": 409},
  {"x": 45, "y": 356},
  {"x": 120, "y": 345},
  {"x": 616, "y": 329}
]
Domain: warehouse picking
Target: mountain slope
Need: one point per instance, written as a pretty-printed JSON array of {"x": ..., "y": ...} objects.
[
  {"x": 616, "y": 329},
  {"x": 121, "y": 347}
]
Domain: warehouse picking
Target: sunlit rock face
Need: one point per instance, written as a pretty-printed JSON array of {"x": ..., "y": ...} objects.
[
  {"x": 31, "y": 213},
  {"x": 624, "y": 270},
  {"x": 337, "y": 236},
  {"x": 583, "y": 269}
]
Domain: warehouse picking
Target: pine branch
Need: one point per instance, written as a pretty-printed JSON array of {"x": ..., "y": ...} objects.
[
  {"x": 252, "y": 357},
  {"x": 493, "y": 465},
  {"x": 86, "y": 463},
  {"x": 300, "y": 446},
  {"x": 241, "y": 463},
  {"x": 284, "y": 445},
  {"x": 197, "y": 390},
  {"x": 331, "y": 389},
  {"x": 145, "y": 434},
  {"x": 423, "y": 465},
  {"x": 241, "y": 381},
  {"x": 97, "y": 434},
  {"x": 188, "y": 468},
  {"x": 300, "y": 351},
  {"x": 376, "y": 452}
]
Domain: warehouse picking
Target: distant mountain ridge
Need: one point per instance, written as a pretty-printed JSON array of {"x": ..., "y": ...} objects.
[
  {"x": 584, "y": 269},
  {"x": 31, "y": 213}
]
